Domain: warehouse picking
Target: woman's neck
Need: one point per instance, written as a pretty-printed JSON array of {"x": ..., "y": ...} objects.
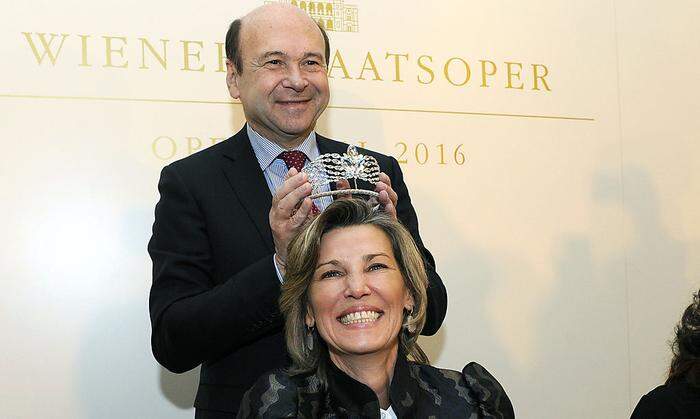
[{"x": 374, "y": 370}]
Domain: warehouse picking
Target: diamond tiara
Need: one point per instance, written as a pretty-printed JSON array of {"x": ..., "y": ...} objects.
[{"x": 333, "y": 167}]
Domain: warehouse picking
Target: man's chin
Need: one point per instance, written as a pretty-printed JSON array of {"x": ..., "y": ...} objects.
[
  {"x": 290, "y": 135},
  {"x": 296, "y": 128}
]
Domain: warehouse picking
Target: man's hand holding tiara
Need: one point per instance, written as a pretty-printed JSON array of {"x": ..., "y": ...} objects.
[
  {"x": 387, "y": 198},
  {"x": 291, "y": 207}
]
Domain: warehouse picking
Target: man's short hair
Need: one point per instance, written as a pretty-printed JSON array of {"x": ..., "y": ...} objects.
[{"x": 233, "y": 44}]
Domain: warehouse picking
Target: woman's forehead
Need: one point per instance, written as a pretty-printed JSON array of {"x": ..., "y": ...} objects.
[{"x": 357, "y": 240}]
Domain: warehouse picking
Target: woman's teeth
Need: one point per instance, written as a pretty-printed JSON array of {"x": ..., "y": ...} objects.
[{"x": 359, "y": 317}]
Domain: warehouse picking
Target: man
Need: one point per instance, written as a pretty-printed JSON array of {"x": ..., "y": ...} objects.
[{"x": 226, "y": 214}]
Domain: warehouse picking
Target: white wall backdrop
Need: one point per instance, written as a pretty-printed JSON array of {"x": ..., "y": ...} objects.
[{"x": 563, "y": 216}]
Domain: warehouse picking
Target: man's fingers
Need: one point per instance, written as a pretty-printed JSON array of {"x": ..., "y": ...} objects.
[
  {"x": 392, "y": 193},
  {"x": 292, "y": 199},
  {"x": 293, "y": 182},
  {"x": 302, "y": 213},
  {"x": 288, "y": 215},
  {"x": 387, "y": 203},
  {"x": 393, "y": 196},
  {"x": 291, "y": 172},
  {"x": 311, "y": 216},
  {"x": 383, "y": 177},
  {"x": 342, "y": 184},
  {"x": 383, "y": 197},
  {"x": 381, "y": 186}
]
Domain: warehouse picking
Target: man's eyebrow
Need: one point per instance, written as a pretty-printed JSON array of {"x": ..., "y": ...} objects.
[
  {"x": 313, "y": 54},
  {"x": 269, "y": 54}
]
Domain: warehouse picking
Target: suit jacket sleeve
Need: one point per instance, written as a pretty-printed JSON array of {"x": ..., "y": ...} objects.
[
  {"x": 437, "y": 295},
  {"x": 194, "y": 319}
]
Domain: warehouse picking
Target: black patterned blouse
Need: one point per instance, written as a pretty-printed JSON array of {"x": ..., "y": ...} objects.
[{"x": 417, "y": 391}]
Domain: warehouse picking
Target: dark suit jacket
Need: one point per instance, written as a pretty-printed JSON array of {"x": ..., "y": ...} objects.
[{"x": 215, "y": 289}]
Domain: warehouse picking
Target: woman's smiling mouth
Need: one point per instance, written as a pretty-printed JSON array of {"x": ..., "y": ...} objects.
[{"x": 360, "y": 317}]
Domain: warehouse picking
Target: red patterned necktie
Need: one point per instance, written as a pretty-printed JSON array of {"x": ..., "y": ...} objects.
[{"x": 296, "y": 159}]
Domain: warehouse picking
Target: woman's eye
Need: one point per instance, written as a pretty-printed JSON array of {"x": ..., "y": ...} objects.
[
  {"x": 377, "y": 266},
  {"x": 330, "y": 274}
]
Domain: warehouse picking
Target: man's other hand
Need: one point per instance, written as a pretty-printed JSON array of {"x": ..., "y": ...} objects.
[{"x": 387, "y": 197}]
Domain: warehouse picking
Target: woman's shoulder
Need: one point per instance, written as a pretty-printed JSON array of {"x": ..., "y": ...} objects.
[
  {"x": 474, "y": 385},
  {"x": 677, "y": 400},
  {"x": 276, "y": 395}
]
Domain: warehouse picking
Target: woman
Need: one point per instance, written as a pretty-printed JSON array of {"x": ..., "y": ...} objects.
[
  {"x": 679, "y": 397},
  {"x": 354, "y": 302}
]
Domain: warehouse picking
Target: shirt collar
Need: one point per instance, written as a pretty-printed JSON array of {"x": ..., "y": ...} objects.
[
  {"x": 266, "y": 151},
  {"x": 356, "y": 397}
]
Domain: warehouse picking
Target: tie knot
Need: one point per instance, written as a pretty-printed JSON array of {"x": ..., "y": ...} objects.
[{"x": 294, "y": 158}]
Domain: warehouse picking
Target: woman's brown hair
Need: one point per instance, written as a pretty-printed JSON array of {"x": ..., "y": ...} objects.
[{"x": 685, "y": 366}]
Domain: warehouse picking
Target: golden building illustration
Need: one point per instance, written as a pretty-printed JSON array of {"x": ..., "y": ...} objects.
[{"x": 332, "y": 15}]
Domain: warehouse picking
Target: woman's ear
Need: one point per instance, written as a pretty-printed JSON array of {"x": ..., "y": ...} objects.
[
  {"x": 309, "y": 318},
  {"x": 408, "y": 302}
]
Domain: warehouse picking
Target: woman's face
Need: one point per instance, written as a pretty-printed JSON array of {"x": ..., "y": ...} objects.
[{"x": 357, "y": 296}]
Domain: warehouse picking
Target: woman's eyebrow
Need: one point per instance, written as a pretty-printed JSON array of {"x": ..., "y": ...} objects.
[
  {"x": 330, "y": 262},
  {"x": 371, "y": 256}
]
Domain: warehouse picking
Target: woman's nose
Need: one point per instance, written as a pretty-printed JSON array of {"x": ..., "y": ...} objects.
[{"x": 357, "y": 286}]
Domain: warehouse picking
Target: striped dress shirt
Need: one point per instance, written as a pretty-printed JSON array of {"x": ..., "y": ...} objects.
[{"x": 274, "y": 169}]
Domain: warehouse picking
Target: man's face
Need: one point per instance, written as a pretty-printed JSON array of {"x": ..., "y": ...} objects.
[{"x": 283, "y": 84}]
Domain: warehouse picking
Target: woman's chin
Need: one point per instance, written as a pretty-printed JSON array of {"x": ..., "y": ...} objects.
[
  {"x": 360, "y": 348},
  {"x": 362, "y": 341}
]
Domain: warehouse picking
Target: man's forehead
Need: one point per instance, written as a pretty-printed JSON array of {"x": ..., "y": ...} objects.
[
  {"x": 278, "y": 53},
  {"x": 286, "y": 38},
  {"x": 276, "y": 18},
  {"x": 277, "y": 12}
]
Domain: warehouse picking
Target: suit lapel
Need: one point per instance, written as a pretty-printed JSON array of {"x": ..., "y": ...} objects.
[
  {"x": 242, "y": 170},
  {"x": 326, "y": 145}
]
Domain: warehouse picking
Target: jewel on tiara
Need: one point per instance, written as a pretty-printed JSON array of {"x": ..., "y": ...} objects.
[{"x": 333, "y": 167}]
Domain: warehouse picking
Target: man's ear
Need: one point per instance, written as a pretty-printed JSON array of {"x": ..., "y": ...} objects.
[{"x": 232, "y": 80}]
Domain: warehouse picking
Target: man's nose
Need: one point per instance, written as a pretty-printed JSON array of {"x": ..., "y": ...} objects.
[
  {"x": 356, "y": 286},
  {"x": 295, "y": 79}
]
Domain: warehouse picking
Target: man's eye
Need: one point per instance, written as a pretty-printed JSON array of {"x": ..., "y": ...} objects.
[
  {"x": 311, "y": 62},
  {"x": 330, "y": 274},
  {"x": 274, "y": 62}
]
